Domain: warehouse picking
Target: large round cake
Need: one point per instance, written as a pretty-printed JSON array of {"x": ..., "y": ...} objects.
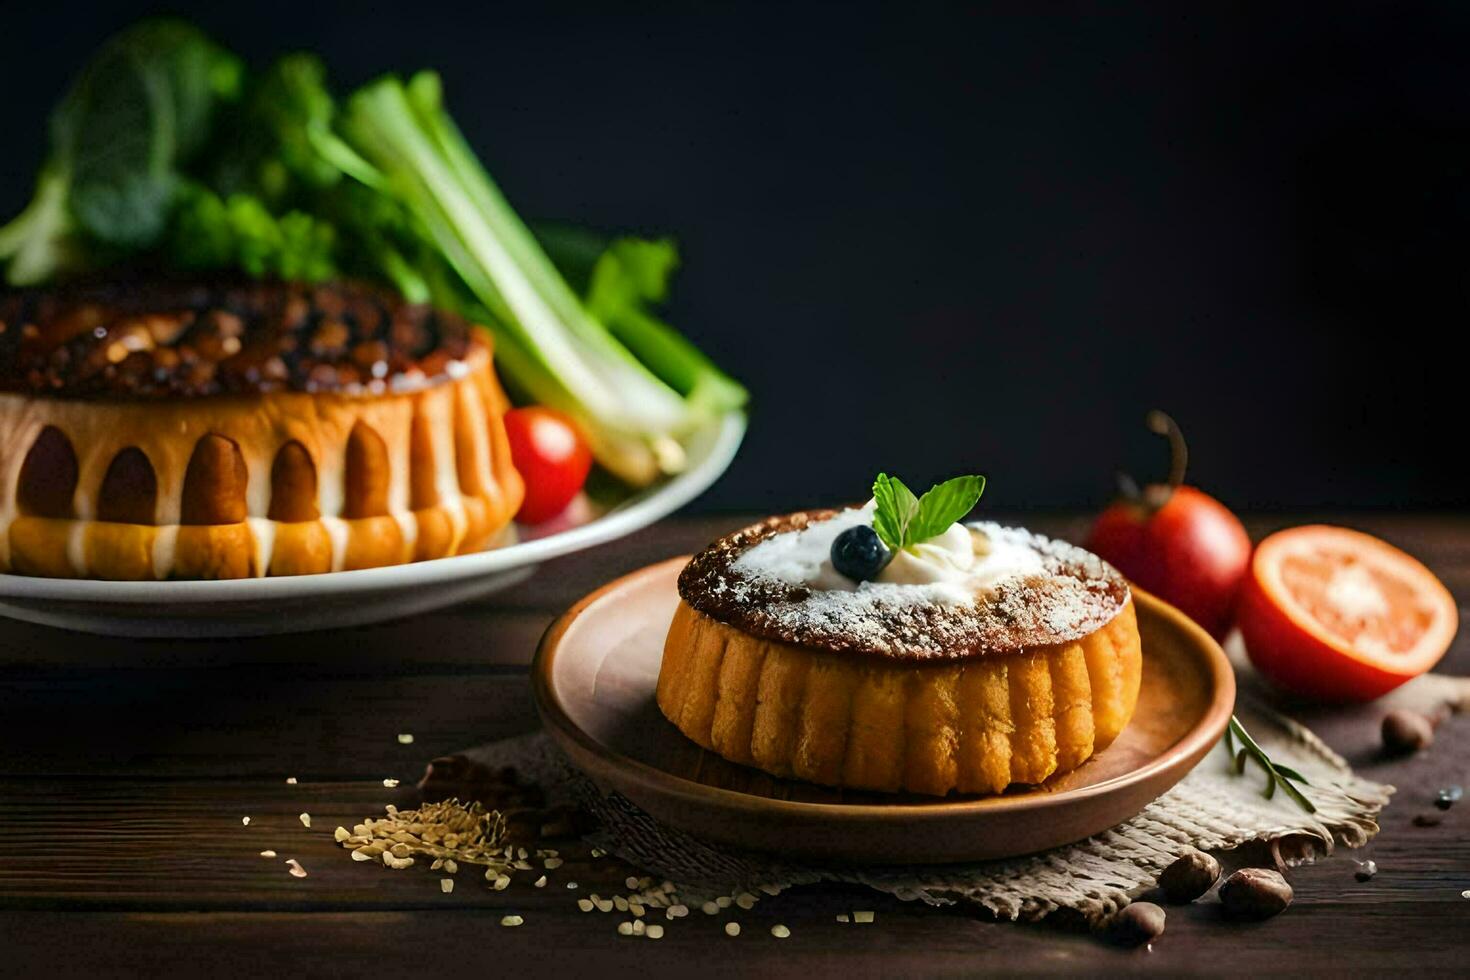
[
  {"x": 229, "y": 430},
  {"x": 1022, "y": 664}
]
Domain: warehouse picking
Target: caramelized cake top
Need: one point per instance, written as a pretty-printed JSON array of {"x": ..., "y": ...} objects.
[
  {"x": 1075, "y": 594},
  {"x": 167, "y": 339}
]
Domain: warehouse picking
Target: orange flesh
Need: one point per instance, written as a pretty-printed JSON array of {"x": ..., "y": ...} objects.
[{"x": 1366, "y": 606}]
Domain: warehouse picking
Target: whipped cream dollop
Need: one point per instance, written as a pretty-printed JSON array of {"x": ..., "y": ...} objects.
[{"x": 954, "y": 567}]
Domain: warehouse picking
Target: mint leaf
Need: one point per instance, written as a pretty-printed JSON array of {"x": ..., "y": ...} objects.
[
  {"x": 943, "y": 505},
  {"x": 894, "y": 509}
]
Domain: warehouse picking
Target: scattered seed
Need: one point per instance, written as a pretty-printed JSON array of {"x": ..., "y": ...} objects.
[
  {"x": 604, "y": 905},
  {"x": 723, "y": 901},
  {"x": 551, "y": 863},
  {"x": 630, "y": 882},
  {"x": 297, "y": 871},
  {"x": 1366, "y": 870},
  {"x": 746, "y": 900},
  {"x": 710, "y": 908},
  {"x": 732, "y": 928},
  {"x": 405, "y": 738},
  {"x": 621, "y": 903},
  {"x": 446, "y": 885},
  {"x": 771, "y": 889},
  {"x": 245, "y": 821},
  {"x": 862, "y": 917},
  {"x": 638, "y": 927},
  {"x": 625, "y": 928},
  {"x": 637, "y": 909},
  {"x": 678, "y": 911},
  {"x": 842, "y": 917},
  {"x": 511, "y": 920},
  {"x": 290, "y": 780},
  {"x": 267, "y": 854},
  {"x": 571, "y": 886},
  {"x": 541, "y": 882},
  {"x": 397, "y": 863},
  {"x": 522, "y": 853},
  {"x": 1465, "y": 893},
  {"x": 340, "y": 834},
  {"x": 306, "y": 820},
  {"x": 654, "y": 931},
  {"x": 390, "y": 783},
  {"x": 501, "y": 883},
  {"x": 361, "y": 854},
  {"x": 780, "y": 931},
  {"x": 451, "y": 866}
]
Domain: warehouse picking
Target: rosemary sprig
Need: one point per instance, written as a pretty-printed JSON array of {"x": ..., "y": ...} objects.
[{"x": 1276, "y": 774}]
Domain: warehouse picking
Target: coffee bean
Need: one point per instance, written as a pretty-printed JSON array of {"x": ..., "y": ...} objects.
[
  {"x": 1189, "y": 877},
  {"x": 1135, "y": 924},
  {"x": 1406, "y": 731},
  {"x": 1255, "y": 894}
]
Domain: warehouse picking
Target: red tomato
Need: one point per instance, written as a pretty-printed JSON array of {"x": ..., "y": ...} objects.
[
  {"x": 1191, "y": 552},
  {"x": 551, "y": 456},
  {"x": 1338, "y": 615}
]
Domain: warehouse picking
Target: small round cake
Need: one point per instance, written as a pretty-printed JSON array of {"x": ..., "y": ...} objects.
[
  {"x": 214, "y": 430},
  {"x": 979, "y": 658}
]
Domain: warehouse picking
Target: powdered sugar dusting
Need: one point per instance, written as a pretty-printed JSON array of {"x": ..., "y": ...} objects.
[{"x": 1074, "y": 593}]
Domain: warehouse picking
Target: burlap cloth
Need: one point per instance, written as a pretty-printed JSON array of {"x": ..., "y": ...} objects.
[{"x": 1213, "y": 809}]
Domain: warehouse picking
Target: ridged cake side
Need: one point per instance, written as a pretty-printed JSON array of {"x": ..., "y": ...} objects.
[{"x": 971, "y": 726}]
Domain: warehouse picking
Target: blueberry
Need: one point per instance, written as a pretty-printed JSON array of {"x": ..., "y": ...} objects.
[{"x": 858, "y": 554}]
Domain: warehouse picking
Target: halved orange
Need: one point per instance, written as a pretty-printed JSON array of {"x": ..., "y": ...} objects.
[{"x": 1339, "y": 615}]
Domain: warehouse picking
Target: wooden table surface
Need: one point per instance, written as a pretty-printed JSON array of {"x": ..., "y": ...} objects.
[{"x": 126, "y": 768}]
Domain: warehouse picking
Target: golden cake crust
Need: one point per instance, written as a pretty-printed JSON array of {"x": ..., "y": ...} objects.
[
  {"x": 275, "y": 479},
  {"x": 974, "y": 725},
  {"x": 1076, "y": 594}
]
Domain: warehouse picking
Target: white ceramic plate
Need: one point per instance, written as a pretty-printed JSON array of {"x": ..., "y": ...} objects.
[{"x": 258, "y": 607}]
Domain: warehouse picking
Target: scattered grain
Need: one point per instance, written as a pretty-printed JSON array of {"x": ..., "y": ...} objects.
[
  {"x": 446, "y": 885},
  {"x": 340, "y": 834},
  {"x": 290, "y": 780},
  {"x": 655, "y": 931},
  {"x": 732, "y": 928},
  {"x": 625, "y": 928},
  {"x": 585, "y": 904},
  {"x": 843, "y": 917},
  {"x": 297, "y": 871},
  {"x": 511, "y": 920},
  {"x": 780, "y": 931},
  {"x": 245, "y": 821},
  {"x": 501, "y": 883},
  {"x": 604, "y": 905},
  {"x": 746, "y": 900},
  {"x": 723, "y": 901},
  {"x": 678, "y": 911},
  {"x": 451, "y": 866},
  {"x": 540, "y": 882},
  {"x": 710, "y": 908},
  {"x": 405, "y": 738},
  {"x": 571, "y": 886},
  {"x": 390, "y": 783},
  {"x": 305, "y": 819},
  {"x": 552, "y": 863},
  {"x": 862, "y": 916},
  {"x": 267, "y": 854}
]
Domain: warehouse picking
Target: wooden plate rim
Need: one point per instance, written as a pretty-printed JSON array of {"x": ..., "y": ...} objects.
[{"x": 1187, "y": 751}]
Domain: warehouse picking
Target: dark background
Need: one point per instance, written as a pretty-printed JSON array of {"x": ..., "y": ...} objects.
[{"x": 941, "y": 239}]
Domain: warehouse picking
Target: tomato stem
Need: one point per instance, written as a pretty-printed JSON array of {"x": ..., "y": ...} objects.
[{"x": 1163, "y": 424}]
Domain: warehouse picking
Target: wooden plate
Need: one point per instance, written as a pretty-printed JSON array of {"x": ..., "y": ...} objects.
[{"x": 595, "y": 675}]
